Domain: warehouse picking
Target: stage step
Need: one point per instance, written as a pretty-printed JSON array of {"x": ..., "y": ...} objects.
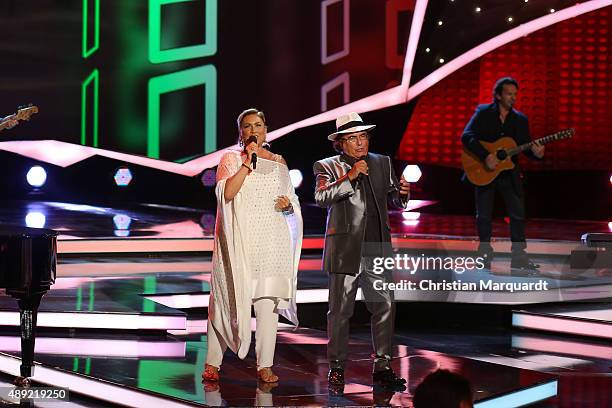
[{"x": 592, "y": 319}]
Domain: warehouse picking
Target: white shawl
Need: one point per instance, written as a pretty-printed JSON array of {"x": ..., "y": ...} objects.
[{"x": 230, "y": 302}]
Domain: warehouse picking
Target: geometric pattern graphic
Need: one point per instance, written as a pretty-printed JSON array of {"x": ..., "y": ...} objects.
[
  {"x": 208, "y": 48},
  {"x": 326, "y": 58},
  {"x": 93, "y": 78},
  {"x": 205, "y": 75},
  {"x": 87, "y": 50}
]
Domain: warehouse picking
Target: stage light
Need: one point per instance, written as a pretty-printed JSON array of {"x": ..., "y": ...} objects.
[
  {"x": 510, "y": 19},
  {"x": 441, "y": 60},
  {"x": 207, "y": 222},
  {"x": 209, "y": 177},
  {"x": 296, "y": 177},
  {"x": 610, "y": 178},
  {"x": 427, "y": 49},
  {"x": 412, "y": 173},
  {"x": 37, "y": 176},
  {"x": 123, "y": 177},
  {"x": 411, "y": 215},
  {"x": 411, "y": 218},
  {"x": 552, "y": 10},
  {"x": 610, "y": 225},
  {"x": 440, "y": 22},
  {"x": 122, "y": 221},
  {"x": 478, "y": 9},
  {"x": 35, "y": 219}
]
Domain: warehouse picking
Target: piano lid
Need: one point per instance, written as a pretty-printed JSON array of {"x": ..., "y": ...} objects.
[{"x": 18, "y": 231}]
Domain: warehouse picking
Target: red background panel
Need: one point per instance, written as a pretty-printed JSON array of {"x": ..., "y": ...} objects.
[{"x": 565, "y": 81}]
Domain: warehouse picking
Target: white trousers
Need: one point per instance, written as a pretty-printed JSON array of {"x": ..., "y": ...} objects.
[{"x": 266, "y": 317}]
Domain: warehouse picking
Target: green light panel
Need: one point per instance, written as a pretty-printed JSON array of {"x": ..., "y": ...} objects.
[
  {"x": 205, "y": 75},
  {"x": 92, "y": 78},
  {"x": 208, "y": 48},
  {"x": 88, "y": 51}
]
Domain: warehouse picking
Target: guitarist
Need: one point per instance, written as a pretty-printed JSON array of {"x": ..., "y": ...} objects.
[
  {"x": 489, "y": 123},
  {"x": 8, "y": 122}
]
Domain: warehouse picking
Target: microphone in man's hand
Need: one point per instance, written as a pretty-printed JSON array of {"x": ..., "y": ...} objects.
[
  {"x": 252, "y": 139},
  {"x": 360, "y": 176}
]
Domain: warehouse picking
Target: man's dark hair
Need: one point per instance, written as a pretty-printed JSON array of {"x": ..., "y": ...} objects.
[
  {"x": 442, "y": 389},
  {"x": 337, "y": 144},
  {"x": 499, "y": 85}
]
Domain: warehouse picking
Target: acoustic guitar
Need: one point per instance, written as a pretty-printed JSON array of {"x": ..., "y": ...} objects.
[
  {"x": 477, "y": 171},
  {"x": 22, "y": 114}
]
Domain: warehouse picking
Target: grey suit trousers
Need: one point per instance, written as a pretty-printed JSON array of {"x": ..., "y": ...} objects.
[{"x": 342, "y": 293}]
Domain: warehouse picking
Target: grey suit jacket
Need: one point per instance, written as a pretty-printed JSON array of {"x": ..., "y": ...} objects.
[{"x": 345, "y": 203}]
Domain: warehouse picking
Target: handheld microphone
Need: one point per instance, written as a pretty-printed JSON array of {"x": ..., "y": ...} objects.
[
  {"x": 360, "y": 176},
  {"x": 252, "y": 139}
]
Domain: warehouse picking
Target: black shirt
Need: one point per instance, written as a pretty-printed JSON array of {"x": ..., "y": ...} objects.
[
  {"x": 372, "y": 232},
  {"x": 485, "y": 125}
]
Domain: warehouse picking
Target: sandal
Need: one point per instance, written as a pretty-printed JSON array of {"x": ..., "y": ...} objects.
[
  {"x": 211, "y": 373},
  {"x": 267, "y": 375}
]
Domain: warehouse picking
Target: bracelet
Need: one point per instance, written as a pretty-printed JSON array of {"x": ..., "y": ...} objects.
[
  {"x": 288, "y": 210},
  {"x": 248, "y": 168}
]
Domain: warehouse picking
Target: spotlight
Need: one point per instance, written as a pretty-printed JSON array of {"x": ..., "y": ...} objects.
[
  {"x": 412, "y": 173},
  {"x": 122, "y": 221},
  {"x": 610, "y": 178},
  {"x": 207, "y": 222},
  {"x": 209, "y": 177},
  {"x": 411, "y": 215},
  {"x": 427, "y": 49},
  {"x": 552, "y": 10},
  {"x": 296, "y": 177},
  {"x": 35, "y": 219},
  {"x": 36, "y": 176},
  {"x": 441, "y": 60},
  {"x": 440, "y": 22},
  {"x": 610, "y": 225},
  {"x": 411, "y": 218},
  {"x": 478, "y": 9},
  {"x": 123, "y": 177},
  {"x": 510, "y": 19}
]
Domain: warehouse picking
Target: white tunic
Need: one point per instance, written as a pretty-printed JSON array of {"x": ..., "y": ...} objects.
[
  {"x": 269, "y": 251},
  {"x": 257, "y": 249}
]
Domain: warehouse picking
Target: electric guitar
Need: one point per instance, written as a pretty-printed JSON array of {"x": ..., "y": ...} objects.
[
  {"x": 22, "y": 114},
  {"x": 477, "y": 171}
]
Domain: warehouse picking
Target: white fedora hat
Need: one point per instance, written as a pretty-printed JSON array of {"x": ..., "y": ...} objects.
[{"x": 349, "y": 123}]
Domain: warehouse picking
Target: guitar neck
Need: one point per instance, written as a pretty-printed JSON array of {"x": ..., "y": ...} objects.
[{"x": 541, "y": 141}]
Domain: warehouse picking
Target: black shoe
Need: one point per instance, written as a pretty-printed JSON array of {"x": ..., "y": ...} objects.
[
  {"x": 524, "y": 264},
  {"x": 388, "y": 379},
  {"x": 524, "y": 269},
  {"x": 336, "y": 376}
]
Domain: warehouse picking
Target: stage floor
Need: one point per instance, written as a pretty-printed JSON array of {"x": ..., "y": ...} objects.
[
  {"x": 80, "y": 221},
  {"x": 167, "y": 370},
  {"x": 128, "y": 326}
]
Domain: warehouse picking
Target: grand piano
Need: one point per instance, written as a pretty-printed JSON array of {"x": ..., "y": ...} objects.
[{"x": 28, "y": 259}]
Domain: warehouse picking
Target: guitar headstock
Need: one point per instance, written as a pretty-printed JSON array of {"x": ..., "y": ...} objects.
[
  {"x": 565, "y": 133},
  {"x": 25, "y": 112}
]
